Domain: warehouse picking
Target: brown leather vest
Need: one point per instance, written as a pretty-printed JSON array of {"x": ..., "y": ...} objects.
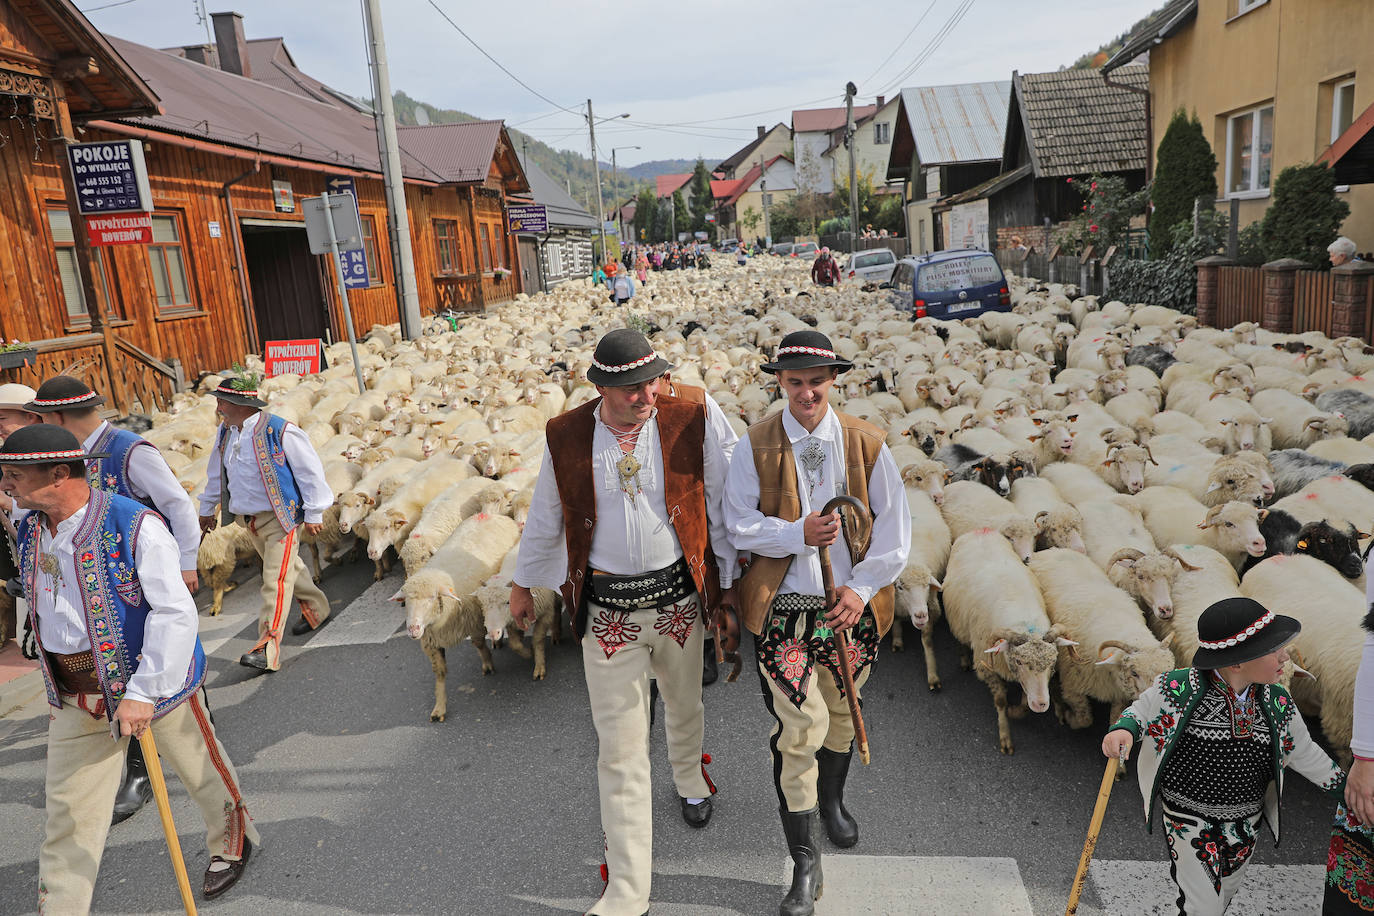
[
  {"x": 778, "y": 497},
  {"x": 687, "y": 392},
  {"x": 682, "y": 438}
]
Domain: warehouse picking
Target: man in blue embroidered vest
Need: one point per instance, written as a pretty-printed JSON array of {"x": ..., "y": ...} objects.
[
  {"x": 1215, "y": 740},
  {"x": 264, "y": 471},
  {"x": 133, "y": 467},
  {"x": 116, "y": 633}
]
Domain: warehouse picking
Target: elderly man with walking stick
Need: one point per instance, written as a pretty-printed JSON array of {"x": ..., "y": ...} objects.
[
  {"x": 116, "y": 631},
  {"x": 783, "y": 471}
]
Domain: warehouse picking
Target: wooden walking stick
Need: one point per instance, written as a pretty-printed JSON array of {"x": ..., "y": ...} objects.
[
  {"x": 864, "y": 523},
  {"x": 1094, "y": 827},
  {"x": 169, "y": 828}
]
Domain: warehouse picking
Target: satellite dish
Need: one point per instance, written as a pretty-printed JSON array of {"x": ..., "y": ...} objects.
[{"x": 422, "y": 115}]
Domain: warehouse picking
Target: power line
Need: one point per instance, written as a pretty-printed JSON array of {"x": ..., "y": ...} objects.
[
  {"x": 934, "y": 45},
  {"x": 905, "y": 39},
  {"x": 498, "y": 64},
  {"x": 106, "y": 6}
]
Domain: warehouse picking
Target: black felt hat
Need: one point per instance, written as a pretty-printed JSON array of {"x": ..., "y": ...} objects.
[
  {"x": 43, "y": 443},
  {"x": 625, "y": 357},
  {"x": 241, "y": 389},
  {"x": 63, "y": 392},
  {"x": 806, "y": 350},
  {"x": 1237, "y": 630}
]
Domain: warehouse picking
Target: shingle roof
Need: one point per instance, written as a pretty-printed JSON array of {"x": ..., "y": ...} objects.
[
  {"x": 807, "y": 120},
  {"x": 665, "y": 185},
  {"x": 562, "y": 210},
  {"x": 957, "y": 123},
  {"x": 210, "y": 104},
  {"x": 1077, "y": 124}
]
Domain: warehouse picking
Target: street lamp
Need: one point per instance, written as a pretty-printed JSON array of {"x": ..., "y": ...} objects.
[
  {"x": 596, "y": 171},
  {"x": 615, "y": 189}
]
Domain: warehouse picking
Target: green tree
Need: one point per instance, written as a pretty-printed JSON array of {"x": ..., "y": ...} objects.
[
  {"x": 1185, "y": 169},
  {"x": 749, "y": 219},
  {"x": 646, "y": 206},
  {"x": 1304, "y": 215},
  {"x": 682, "y": 217},
  {"x": 1106, "y": 215},
  {"x": 700, "y": 186}
]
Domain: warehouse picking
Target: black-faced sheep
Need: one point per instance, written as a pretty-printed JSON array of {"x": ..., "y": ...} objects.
[{"x": 1284, "y": 535}]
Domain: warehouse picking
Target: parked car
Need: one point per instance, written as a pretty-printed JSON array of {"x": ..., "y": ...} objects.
[
  {"x": 805, "y": 250},
  {"x": 782, "y": 249},
  {"x": 873, "y": 266},
  {"x": 728, "y": 246},
  {"x": 957, "y": 284}
]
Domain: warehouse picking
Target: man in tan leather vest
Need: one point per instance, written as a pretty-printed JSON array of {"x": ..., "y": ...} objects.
[
  {"x": 619, "y": 521},
  {"x": 784, "y": 469}
]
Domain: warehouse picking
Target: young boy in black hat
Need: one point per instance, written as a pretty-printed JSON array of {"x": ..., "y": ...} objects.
[{"x": 1211, "y": 755}]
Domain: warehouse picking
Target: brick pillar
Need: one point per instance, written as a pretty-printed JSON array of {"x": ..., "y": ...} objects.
[
  {"x": 1350, "y": 298},
  {"x": 1279, "y": 278},
  {"x": 1207, "y": 270}
]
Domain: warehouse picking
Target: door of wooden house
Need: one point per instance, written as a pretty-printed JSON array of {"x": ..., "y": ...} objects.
[{"x": 288, "y": 292}]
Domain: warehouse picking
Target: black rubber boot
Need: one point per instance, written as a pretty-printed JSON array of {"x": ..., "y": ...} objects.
[
  {"x": 803, "y": 831},
  {"x": 709, "y": 671},
  {"x": 136, "y": 791},
  {"x": 842, "y": 829}
]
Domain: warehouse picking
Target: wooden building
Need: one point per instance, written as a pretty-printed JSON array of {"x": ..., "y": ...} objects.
[
  {"x": 564, "y": 252},
  {"x": 229, "y": 159}
]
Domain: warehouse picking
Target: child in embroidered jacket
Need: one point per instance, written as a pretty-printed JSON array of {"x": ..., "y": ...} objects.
[{"x": 1215, "y": 741}]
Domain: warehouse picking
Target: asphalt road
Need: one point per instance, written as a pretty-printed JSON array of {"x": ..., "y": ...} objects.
[{"x": 366, "y": 806}]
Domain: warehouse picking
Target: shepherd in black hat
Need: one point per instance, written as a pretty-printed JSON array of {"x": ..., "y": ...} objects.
[
  {"x": 116, "y": 633},
  {"x": 783, "y": 472},
  {"x": 133, "y": 467},
  {"x": 647, "y": 567},
  {"x": 265, "y": 475},
  {"x": 1215, "y": 740}
]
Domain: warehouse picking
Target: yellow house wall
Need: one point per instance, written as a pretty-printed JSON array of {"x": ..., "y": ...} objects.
[
  {"x": 755, "y": 199},
  {"x": 1289, "y": 52}
]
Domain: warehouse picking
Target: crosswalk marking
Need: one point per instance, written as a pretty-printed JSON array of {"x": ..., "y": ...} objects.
[
  {"x": 371, "y": 618},
  {"x": 1127, "y": 888},
  {"x": 893, "y": 885}
]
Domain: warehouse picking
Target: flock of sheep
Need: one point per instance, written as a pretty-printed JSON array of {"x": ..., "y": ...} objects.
[{"x": 1084, "y": 478}]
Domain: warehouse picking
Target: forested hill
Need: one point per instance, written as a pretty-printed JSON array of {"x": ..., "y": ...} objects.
[{"x": 1118, "y": 42}]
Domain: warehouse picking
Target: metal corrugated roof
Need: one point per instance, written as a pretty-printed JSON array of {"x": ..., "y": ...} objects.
[
  {"x": 958, "y": 123},
  {"x": 459, "y": 152},
  {"x": 562, "y": 210},
  {"x": 210, "y": 104}
]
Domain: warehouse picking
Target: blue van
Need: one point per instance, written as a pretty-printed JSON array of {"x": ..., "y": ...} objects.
[{"x": 962, "y": 283}]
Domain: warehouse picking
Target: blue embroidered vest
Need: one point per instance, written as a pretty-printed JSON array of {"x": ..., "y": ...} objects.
[
  {"x": 112, "y": 474},
  {"x": 277, "y": 479},
  {"x": 112, "y": 597}
]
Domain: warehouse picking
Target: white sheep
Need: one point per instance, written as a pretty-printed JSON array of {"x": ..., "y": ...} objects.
[
  {"x": 219, "y": 554},
  {"x": 1111, "y": 525},
  {"x": 970, "y": 506},
  {"x": 1174, "y": 517},
  {"x": 1295, "y": 422},
  {"x": 925, "y": 567},
  {"x": 1148, "y": 577},
  {"x": 496, "y": 617}
]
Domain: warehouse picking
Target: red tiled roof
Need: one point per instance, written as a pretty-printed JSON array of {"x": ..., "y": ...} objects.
[
  {"x": 814, "y": 119},
  {"x": 751, "y": 176},
  {"x": 723, "y": 188},
  {"x": 667, "y": 184}
]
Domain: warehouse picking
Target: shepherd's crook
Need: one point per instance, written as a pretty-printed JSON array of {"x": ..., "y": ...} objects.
[
  {"x": 865, "y": 523},
  {"x": 1099, "y": 812},
  {"x": 169, "y": 828}
]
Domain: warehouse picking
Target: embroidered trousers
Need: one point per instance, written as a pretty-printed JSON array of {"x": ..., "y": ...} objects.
[
  {"x": 84, "y": 769},
  {"x": 1208, "y": 859},
  {"x": 806, "y": 701},
  {"x": 283, "y": 575},
  {"x": 620, "y": 650}
]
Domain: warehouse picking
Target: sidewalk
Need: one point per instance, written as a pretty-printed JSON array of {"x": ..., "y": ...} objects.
[{"x": 20, "y": 681}]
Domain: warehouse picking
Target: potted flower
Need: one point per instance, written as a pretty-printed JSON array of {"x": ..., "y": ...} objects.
[
  {"x": 501, "y": 273},
  {"x": 16, "y": 353}
]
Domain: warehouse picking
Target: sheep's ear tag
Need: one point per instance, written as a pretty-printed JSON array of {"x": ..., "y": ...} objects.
[
  {"x": 1216, "y": 485},
  {"x": 1302, "y": 545}
]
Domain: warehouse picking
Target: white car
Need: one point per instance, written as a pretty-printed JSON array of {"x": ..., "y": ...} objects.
[{"x": 873, "y": 266}]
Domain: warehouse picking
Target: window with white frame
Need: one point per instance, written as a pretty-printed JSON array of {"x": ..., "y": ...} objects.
[
  {"x": 882, "y": 132},
  {"x": 1342, "y": 108},
  {"x": 1249, "y": 151}
]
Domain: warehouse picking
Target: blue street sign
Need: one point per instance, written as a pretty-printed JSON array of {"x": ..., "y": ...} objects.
[
  {"x": 110, "y": 177},
  {"x": 352, "y": 261}
]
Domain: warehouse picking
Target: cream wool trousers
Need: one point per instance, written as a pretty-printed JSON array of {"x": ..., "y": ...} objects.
[
  {"x": 84, "y": 769},
  {"x": 620, "y": 651},
  {"x": 283, "y": 575}
]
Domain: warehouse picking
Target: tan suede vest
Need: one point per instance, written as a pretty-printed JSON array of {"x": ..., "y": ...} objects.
[
  {"x": 687, "y": 392},
  {"x": 778, "y": 497},
  {"x": 682, "y": 437}
]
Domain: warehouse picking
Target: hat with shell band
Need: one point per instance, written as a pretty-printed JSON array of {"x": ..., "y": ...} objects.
[
  {"x": 63, "y": 392},
  {"x": 806, "y": 350},
  {"x": 1237, "y": 630},
  {"x": 625, "y": 357},
  {"x": 43, "y": 443},
  {"x": 240, "y": 388}
]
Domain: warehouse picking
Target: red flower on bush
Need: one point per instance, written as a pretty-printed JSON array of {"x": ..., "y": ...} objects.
[{"x": 1092, "y": 228}]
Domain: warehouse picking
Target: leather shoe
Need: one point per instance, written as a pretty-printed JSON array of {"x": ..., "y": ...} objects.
[
  {"x": 698, "y": 815},
  {"x": 302, "y": 626},
  {"x": 256, "y": 659},
  {"x": 217, "y": 882},
  {"x": 709, "y": 671}
]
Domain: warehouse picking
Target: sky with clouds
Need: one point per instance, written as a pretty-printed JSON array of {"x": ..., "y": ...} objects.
[{"x": 694, "y": 77}]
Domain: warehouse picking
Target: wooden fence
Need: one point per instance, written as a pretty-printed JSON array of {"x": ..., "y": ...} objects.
[
  {"x": 1240, "y": 295},
  {"x": 1312, "y": 306}
]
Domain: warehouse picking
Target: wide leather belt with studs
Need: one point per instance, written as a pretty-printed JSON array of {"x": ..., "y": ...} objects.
[
  {"x": 791, "y": 602},
  {"x": 75, "y": 673},
  {"x": 643, "y": 591}
]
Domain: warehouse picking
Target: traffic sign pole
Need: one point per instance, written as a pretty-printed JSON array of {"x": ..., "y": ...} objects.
[{"x": 343, "y": 289}]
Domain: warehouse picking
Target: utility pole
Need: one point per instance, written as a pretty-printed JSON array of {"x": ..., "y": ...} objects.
[
  {"x": 398, "y": 220},
  {"x": 763, "y": 197},
  {"x": 850, "y": 90},
  {"x": 596, "y": 173}
]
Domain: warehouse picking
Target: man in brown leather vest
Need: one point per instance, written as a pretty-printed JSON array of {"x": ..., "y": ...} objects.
[
  {"x": 785, "y": 468},
  {"x": 619, "y": 522}
]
